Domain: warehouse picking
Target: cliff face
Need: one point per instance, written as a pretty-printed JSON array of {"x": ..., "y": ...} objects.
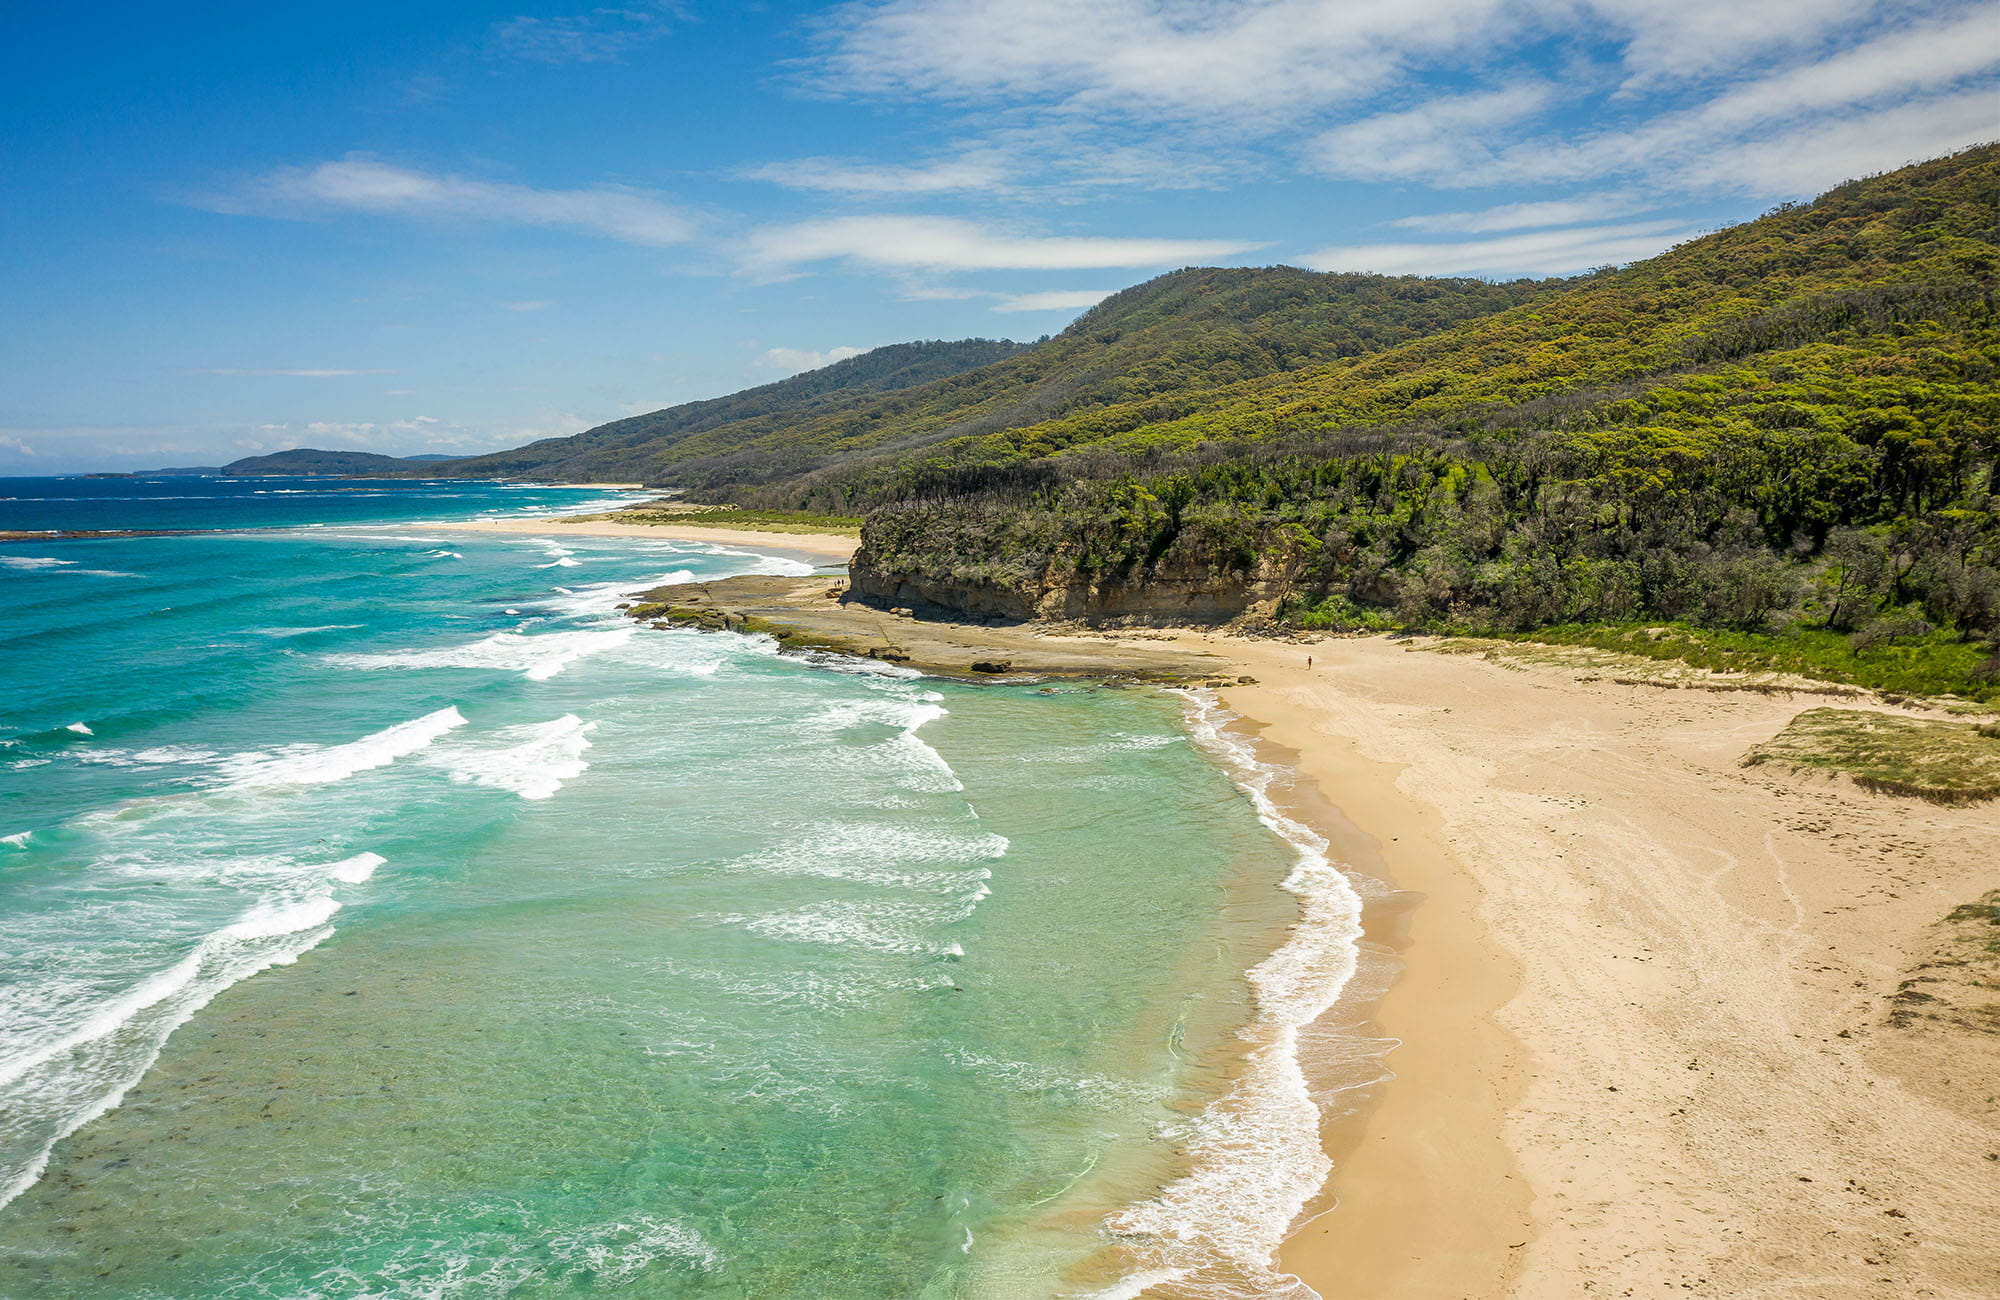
[{"x": 945, "y": 571}]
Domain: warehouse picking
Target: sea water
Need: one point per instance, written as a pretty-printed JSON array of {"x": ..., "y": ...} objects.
[{"x": 384, "y": 915}]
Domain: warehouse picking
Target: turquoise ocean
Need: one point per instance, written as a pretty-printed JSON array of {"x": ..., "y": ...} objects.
[{"x": 384, "y": 915}]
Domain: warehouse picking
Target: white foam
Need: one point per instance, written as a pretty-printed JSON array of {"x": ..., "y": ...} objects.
[
  {"x": 45, "y": 564},
  {"x": 49, "y": 1090},
  {"x": 896, "y": 856},
  {"x": 618, "y": 1252},
  {"x": 886, "y": 927},
  {"x": 270, "y": 920},
  {"x": 356, "y": 869},
  {"x": 322, "y": 764},
  {"x": 19, "y": 841},
  {"x": 1135, "y": 1286},
  {"x": 1255, "y": 1154},
  {"x": 301, "y": 631},
  {"x": 532, "y": 761},
  {"x": 1092, "y": 1089},
  {"x": 777, "y": 566},
  {"x": 79, "y": 729},
  {"x": 538, "y": 658},
  {"x": 910, "y": 760}
]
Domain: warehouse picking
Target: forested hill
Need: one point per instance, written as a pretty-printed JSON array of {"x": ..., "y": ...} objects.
[
  {"x": 641, "y": 446},
  {"x": 312, "y": 460},
  {"x": 1788, "y": 428},
  {"x": 1189, "y": 331}
]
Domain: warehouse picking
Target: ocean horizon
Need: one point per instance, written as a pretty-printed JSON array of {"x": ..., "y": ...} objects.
[{"x": 384, "y": 914}]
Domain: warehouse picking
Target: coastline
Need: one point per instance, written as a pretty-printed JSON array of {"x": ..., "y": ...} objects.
[
  {"x": 820, "y": 547},
  {"x": 1644, "y": 1017},
  {"x": 1646, "y": 1011}
]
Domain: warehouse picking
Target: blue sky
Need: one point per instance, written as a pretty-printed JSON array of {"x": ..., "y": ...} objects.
[{"x": 461, "y": 226}]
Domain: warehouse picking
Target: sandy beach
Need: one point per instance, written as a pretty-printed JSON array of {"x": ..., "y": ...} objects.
[
  {"x": 1648, "y": 1021},
  {"x": 818, "y": 546},
  {"x": 1646, "y": 1017}
]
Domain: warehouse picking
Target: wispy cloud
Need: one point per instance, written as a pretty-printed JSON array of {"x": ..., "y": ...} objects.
[
  {"x": 1697, "y": 94},
  {"x": 1434, "y": 138},
  {"x": 795, "y": 360},
  {"x": 1886, "y": 100},
  {"x": 8, "y": 442},
  {"x": 1053, "y": 300},
  {"x": 361, "y": 184},
  {"x": 600, "y": 36},
  {"x": 975, "y": 172},
  {"x": 1269, "y": 60},
  {"x": 417, "y": 433},
  {"x": 951, "y": 244},
  {"x": 1522, "y": 216},
  {"x": 1547, "y": 252},
  {"x": 323, "y": 373}
]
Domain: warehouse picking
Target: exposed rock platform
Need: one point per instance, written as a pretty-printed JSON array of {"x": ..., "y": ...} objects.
[{"x": 818, "y": 613}]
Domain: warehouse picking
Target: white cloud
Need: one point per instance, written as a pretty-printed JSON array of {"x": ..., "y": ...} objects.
[
  {"x": 1549, "y": 252},
  {"x": 1815, "y": 155},
  {"x": 1684, "y": 95},
  {"x": 600, "y": 36},
  {"x": 973, "y": 171},
  {"x": 793, "y": 360},
  {"x": 1888, "y": 93},
  {"x": 359, "y": 184},
  {"x": 10, "y": 443},
  {"x": 1054, "y": 300},
  {"x": 1522, "y": 216},
  {"x": 1432, "y": 139},
  {"x": 1261, "y": 59},
  {"x": 952, "y": 244},
  {"x": 1281, "y": 59},
  {"x": 327, "y": 373}
]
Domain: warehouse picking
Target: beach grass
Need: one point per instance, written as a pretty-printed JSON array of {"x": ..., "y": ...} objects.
[
  {"x": 1942, "y": 762},
  {"x": 1937, "y": 663}
]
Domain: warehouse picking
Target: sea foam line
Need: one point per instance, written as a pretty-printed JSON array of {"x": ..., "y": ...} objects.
[
  {"x": 50, "y": 1091},
  {"x": 534, "y": 762},
  {"x": 537, "y": 658},
  {"x": 320, "y": 765},
  {"x": 1255, "y": 1153}
]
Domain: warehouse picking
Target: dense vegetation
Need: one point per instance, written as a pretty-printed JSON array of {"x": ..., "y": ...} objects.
[
  {"x": 1178, "y": 334},
  {"x": 1785, "y": 431},
  {"x": 1788, "y": 427},
  {"x": 646, "y": 447}
]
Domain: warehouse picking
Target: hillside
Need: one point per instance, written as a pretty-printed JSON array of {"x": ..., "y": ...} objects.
[
  {"x": 1187, "y": 331},
  {"x": 642, "y": 446},
  {"x": 312, "y": 460},
  {"x": 1787, "y": 427}
]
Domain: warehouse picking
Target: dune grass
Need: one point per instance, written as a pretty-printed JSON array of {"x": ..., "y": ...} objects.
[{"x": 1942, "y": 762}]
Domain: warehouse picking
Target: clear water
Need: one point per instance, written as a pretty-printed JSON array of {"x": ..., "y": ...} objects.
[{"x": 383, "y": 915}]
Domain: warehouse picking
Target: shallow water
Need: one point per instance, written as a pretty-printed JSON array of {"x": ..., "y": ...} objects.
[{"x": 383, "y": 915}]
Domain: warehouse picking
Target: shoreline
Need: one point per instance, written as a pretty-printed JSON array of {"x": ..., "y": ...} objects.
[
  {"x": 1424, "y": 1197},
  {"x": 1647, "y": 1017},
  {"x": 821, "y": 548},
  {"x": 1649, "y": 1025}
]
